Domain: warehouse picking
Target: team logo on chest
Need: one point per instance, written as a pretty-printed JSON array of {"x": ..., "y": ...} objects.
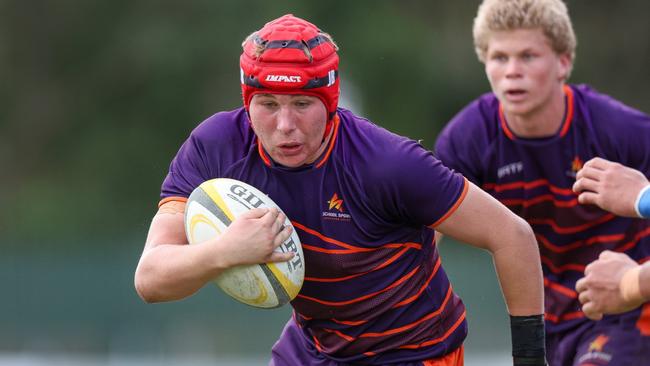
[
  {"x": 595, "y": 352},
  {"x": 334, "y": 209},
  {"x": 576, "y": 165}
]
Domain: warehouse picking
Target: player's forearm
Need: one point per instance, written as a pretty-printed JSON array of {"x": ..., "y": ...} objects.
[
  {"x": 172, "y": 272},
  {"x": 483, "y": 222},
  {"x": 519, "y": 270},
  {"x": 517, "y": 262}
]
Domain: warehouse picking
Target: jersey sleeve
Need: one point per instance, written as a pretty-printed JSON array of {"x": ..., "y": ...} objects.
[
  {"x": 186, "y": 171},
  {"x": 625, "y": 133},
  {"x": 212, "y": 148},
  {"x": 418, "y": 187},
  {"x": 462, "y": 143}
]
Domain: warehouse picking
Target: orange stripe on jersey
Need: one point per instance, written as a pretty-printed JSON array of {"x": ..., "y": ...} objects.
[
  {"x": 352, "y": 248},
  {"x": 578, "y": 244},
  {"x": 304, "y": 317},
  {"x": 581, "y": 244},
  {"x": 568, "y": 316},
  {"x": 564, "y": 268},
  {"x": 539, "y": 199},
  {"x": 344, "y": 336},
  {"x": 330, "y": 240},
  {"x": 504, "y": 125},
  {"x": 402, "y": 303},
  {"x": 336, "y": 251},
  {"x": 349, "y": 322},
  {"x": 172, "y": 207},
  {"x": 529, "y": 185},
  {"x": 331, "y": 143},
  {"x": 314, "y": 248},
  {"x": 424, "y": 286},
  {"x": 317, "y": 344},
  {"x": 600, "y": 239},
  {"x": 358, "y": 299},
  {"x": 643, "y": 324},
  {"x": 630, "y": 244},
  {"x": 262, "y": 153},
  {"x": 380, "y": 266},
  {"x": 407, "y": 244},
  {"x": 455, "y": 206},
  {"x": 170, "y": 199},
  {"x": 571, "y": 229},
  {"x": 561, "y": 289},
  {"x": 569, "y": 113},
  {"x": 439, "y": 339},
  {"x": 415, "y": 323}
]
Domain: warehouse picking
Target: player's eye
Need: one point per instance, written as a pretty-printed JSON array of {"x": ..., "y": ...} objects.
[
  {"x": 268, "y": 104},
  {"x": 498, "y": 57},
  {"x": 527, "y": 56},
  {"x": 302, "y": 103}
]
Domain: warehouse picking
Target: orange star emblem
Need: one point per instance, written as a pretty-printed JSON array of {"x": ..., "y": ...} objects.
[
  {"x": 598, "y": 343},
  {"x": 576, "y": 164},
  {"x": 336, "y": 202}
]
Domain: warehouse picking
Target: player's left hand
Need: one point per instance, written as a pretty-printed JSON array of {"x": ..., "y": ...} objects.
[
  {"x": 600, "y": 290},
  {"x": 609, "y": 185}
]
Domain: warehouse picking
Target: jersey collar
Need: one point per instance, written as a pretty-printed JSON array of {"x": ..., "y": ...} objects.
[{"x": 568, "y": 92}]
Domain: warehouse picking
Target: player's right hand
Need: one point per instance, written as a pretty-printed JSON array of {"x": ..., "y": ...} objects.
[{"x": 253, "y": 236}]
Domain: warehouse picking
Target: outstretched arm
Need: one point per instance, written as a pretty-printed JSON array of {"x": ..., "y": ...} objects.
[
  {"x": 483, "y": 222},
  {"x": 613, "y": 284},
  {"x": 613, "y": 187},
  {"x": 170, "y": 269}
]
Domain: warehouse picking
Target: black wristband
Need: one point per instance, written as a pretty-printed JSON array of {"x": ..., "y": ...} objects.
[{"x": 528, "y": 342}]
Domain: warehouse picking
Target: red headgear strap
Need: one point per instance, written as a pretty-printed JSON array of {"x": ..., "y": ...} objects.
[{"x": 289, "y": 55}]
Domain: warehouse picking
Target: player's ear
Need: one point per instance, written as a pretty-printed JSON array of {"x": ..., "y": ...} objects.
[{"x": 565, "y": 62}]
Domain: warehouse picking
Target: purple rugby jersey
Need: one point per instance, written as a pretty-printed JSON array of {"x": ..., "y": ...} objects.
[
  {"x": 534, "y": 177},
  {"x": 374, "y": 290}
]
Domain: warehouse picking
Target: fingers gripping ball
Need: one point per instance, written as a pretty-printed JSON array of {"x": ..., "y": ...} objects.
[{"x": 211, "y": 207}]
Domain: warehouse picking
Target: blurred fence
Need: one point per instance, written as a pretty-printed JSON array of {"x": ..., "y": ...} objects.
[{"x": 82, "y": 304}]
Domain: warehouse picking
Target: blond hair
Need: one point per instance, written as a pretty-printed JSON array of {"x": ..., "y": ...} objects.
[{"x": 551, "y": 16}]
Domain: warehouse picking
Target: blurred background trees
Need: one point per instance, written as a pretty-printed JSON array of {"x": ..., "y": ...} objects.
[{"x": 96, "y": 97}]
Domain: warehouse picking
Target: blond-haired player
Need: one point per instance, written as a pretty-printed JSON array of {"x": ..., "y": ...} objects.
[{"x": 524, "y": 142}]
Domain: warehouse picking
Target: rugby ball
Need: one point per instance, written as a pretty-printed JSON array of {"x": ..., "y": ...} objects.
[{"x": 211, "y": 207}]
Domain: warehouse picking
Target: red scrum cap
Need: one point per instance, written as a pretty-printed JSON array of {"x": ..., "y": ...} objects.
[{"x": 290, "y": 55}]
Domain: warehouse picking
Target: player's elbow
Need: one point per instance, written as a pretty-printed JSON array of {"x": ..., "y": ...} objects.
[
  {"x": 527, "y": 235},
  {"x": 521, "y": 232},
  {"x": 143, "y": 287},
  {"x": 517, "y": 233}
]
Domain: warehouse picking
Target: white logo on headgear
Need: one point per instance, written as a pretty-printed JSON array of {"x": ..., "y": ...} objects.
[{"x": 283, "y": 78}]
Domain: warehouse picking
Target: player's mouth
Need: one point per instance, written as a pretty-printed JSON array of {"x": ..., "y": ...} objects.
[
  {"x": 290, "y": 148},
  {"x": 515, "y": 95}
]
